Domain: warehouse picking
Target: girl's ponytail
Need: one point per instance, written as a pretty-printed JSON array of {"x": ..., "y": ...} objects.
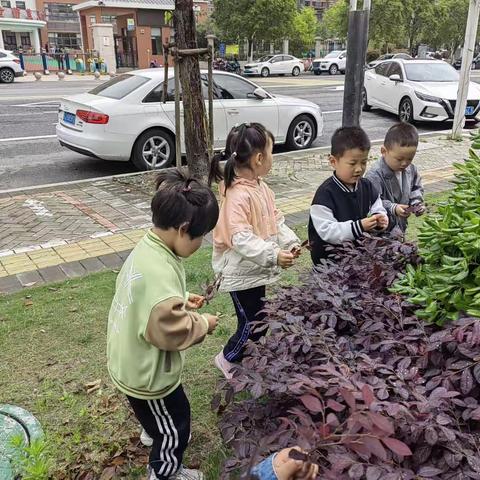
[
  {"x": 216, "y": 173},
  {"x": 229, "y": 171}
]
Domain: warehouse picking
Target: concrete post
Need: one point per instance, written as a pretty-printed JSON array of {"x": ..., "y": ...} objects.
[
  {"x": 35, "y": 36},
  {"x": 272, "y": 48},
  {"x": 103, "y": 43},
  {"x": 286, "y": 44},
  {"x": 467, "y": 58},
  {"x": 318, "y": 47}
]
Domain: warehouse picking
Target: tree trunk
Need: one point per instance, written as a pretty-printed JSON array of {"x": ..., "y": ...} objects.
[{"x": 195, "y": 120}]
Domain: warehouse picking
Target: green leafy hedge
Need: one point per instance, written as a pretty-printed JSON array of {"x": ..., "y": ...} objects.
[{"x": 447, "y": 283}]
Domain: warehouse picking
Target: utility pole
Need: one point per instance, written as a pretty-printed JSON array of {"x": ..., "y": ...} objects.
[
  {"x": 357, "y": 43},
  {"x": 467, "y": 58}
]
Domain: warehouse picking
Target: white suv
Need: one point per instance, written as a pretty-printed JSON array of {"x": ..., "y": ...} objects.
[
  {"x": 332, "y": 63},
  {"x": 9, "y": 67}
]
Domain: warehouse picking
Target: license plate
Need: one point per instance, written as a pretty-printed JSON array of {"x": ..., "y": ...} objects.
[{"x": 69, "y": 118}]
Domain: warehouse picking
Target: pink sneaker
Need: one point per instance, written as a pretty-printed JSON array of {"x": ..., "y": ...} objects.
[{"x": 224, "y": 365}]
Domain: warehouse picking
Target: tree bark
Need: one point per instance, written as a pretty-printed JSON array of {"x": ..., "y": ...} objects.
[{"x": 195, "y": 121}]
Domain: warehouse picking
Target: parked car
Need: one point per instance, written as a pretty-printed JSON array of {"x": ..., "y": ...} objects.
[
  {"x": 275, "y": 65},
  {"x": 417, "y": 90},
  {"x": 475, "y": 63},
  {"x": 332, "y": 63},
  {"x": 389, "y": 56},
  {"x": 125, "y": 118},
  {"x": 9, "y": 67}
]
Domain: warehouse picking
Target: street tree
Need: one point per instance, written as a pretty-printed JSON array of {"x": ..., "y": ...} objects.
[
  {"x": 335, "y": 21},
  {"x": 418, "y": 19},
  {"x": 255, "y": 20},
  {"x": 384, "y": 28},
  {"x": 304, "y": 30},
  {"x": 195, "y": 122}
]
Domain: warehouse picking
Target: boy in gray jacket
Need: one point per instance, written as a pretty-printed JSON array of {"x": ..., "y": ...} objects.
[{"x": 396, "y": 178}]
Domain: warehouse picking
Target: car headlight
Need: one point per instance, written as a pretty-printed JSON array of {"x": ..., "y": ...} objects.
[{"x": 428, "y": 98}]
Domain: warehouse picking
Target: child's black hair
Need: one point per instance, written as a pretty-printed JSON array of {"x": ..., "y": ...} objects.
[
  {"x": 349, "y": 138},
  {"x": 242, "y": 142},
  {"x": 181, "y": 200},
  {"x": 401, "y": 135}
]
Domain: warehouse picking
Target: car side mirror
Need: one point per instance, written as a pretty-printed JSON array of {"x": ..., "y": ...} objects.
[
  {"x": 395, "y": 78},
  {"x": 258, "y": 94}
]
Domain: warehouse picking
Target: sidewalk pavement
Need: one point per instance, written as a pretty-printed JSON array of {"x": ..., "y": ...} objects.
[
  {"x": 53, "y": 77},
  {"x": 64, "y": 231}
]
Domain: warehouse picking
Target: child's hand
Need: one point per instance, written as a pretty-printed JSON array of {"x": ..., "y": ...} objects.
[
  {"x": 212, "y": 322},
  {"x": 285, "y": 259},
  {"x": 287, "y": 468},
  {"x": 195, "y": 301},
  {"x": 382, "y": 222},
  {"x": 370, "y": 223},
  {"x": 401, "y": 211}
]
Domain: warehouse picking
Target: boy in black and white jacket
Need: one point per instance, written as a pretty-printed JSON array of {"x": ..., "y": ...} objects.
[{"x": 346, "y": 205}]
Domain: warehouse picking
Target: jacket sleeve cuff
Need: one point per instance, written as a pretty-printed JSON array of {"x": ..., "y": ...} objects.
[
  {"x": 357, "y": 229},
  {"x": 392, "y": 208},
  {"x": 206, "y": 321}
]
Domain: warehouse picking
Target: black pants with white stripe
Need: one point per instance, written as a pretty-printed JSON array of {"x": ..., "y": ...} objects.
[{"x": 167, "y": 421}]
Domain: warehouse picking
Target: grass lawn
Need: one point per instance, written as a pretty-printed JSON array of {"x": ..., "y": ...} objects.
[{"x": 53, "y": 344}]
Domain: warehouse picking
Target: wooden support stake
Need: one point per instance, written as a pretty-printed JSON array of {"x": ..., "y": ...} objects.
[
  {"x": 193, "y": 52},
  {"x": 165, "y": 75},
  {"x": 210, "y": 105},
  {"x": 178, "y": 129}
]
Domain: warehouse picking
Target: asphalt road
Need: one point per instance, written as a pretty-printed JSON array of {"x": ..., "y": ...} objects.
[{"x": 30, "y": 154}]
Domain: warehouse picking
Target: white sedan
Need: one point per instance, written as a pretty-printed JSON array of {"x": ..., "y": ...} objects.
[
  {"x": 418, "y": 90},
  {"x": 275, "y": 65},
  {"x": 9, "y": 67},
  {"x": 125, "y": 118}
]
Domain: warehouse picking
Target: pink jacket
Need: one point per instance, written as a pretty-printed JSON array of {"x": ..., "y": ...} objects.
[{"x": 249, "y": 234}]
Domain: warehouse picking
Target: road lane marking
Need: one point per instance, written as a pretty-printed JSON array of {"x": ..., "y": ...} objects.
[
  {"x": 27, "y": 114},
  {"x": 331, "y": 112},
  {"x": 19, "y": 139}
]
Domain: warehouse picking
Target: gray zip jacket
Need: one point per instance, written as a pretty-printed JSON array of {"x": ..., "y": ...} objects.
[{"x": 385, "y": 181}]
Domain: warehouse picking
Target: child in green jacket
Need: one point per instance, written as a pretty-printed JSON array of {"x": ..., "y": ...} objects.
[{"x": 152, "y": 320}]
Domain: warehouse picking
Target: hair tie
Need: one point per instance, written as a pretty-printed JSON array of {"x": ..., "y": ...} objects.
[
  {"x": 234, "y": 155},
  {"x": 187, "y": 188}
]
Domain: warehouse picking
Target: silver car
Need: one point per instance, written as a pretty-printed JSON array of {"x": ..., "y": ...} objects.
[{"x": 9, "y": 67}]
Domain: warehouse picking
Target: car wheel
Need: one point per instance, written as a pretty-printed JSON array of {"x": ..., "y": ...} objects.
[
  {"x": 296, "y": 72},
  {"x": 7, "y": 75},
  {"x": 333, "y": 69},
  {"x": 405, "y": 111},
  {"x": 301, "y": 133},
  {"x": 154, "y": 149},
  {"x": 265, "y": 72},
  {"x": 365, "y": 106},
  {"x": 317, "y": 72}
]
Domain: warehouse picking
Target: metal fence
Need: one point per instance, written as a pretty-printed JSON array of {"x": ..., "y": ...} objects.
[{"x": 67, "y": 62}]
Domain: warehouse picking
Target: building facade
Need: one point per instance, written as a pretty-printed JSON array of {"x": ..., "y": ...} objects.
[
  {"x": 20, "y": 25},
  {"x": 319, "y": 5}
]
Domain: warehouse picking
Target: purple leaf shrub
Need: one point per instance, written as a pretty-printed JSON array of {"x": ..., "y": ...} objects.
[{"x": 352, "y": 376}]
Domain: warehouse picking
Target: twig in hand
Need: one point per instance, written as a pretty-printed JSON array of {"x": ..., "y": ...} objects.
[
  {"x": 211, "y": 289},
  {"x": 296, "y": 250}
]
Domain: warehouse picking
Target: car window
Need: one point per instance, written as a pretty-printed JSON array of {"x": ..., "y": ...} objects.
[
  {"x": 333, "y": 54},
  {"x": 156, "y": 95},
  {"x": 266, "y": 58},
  {"x": 431, "y": 72},
  {"x": 277, "y": 59},
  {"x": 287, "y": 58},
  {"x": 120, "y": 86},
  {"x": 2, "y": 55},
  {"x": 382, "y": 69},
  {"x": 404, "y": 56},
  {"x": 395, "y": 69},
  {"x": 231, "y": 87}
]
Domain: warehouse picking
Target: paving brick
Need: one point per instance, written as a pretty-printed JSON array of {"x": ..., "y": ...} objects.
[
  {"x": 52, "y": 274},
  {"x": 111, "y": 260},
  {"x": 10, "y": 284},
  {"x": 73, "y": 269},
  {"x": 92, "y": 265},
  {"x": 124, "y": 254},
  {"x": 21, "y": 267},
  {"x": 29, "y": 278}
]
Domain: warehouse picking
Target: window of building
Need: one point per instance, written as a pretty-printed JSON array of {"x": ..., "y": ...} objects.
[
  {"x": 5, "y": 3},
  {"x": 20, "y": 5},
  {"x": 157, "y": 48},
  {"x": 93, "y": 19},
  {"x": 9, "y": 40},
  {"x": 60, "y": 12},
  {"x": 25, "y": 39},
  {"x": 70, "y": 41},
  {"x": 109, "y": 19}
]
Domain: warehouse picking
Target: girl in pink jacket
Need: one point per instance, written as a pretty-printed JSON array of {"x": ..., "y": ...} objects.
[{"x": 251, "y": 241}]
